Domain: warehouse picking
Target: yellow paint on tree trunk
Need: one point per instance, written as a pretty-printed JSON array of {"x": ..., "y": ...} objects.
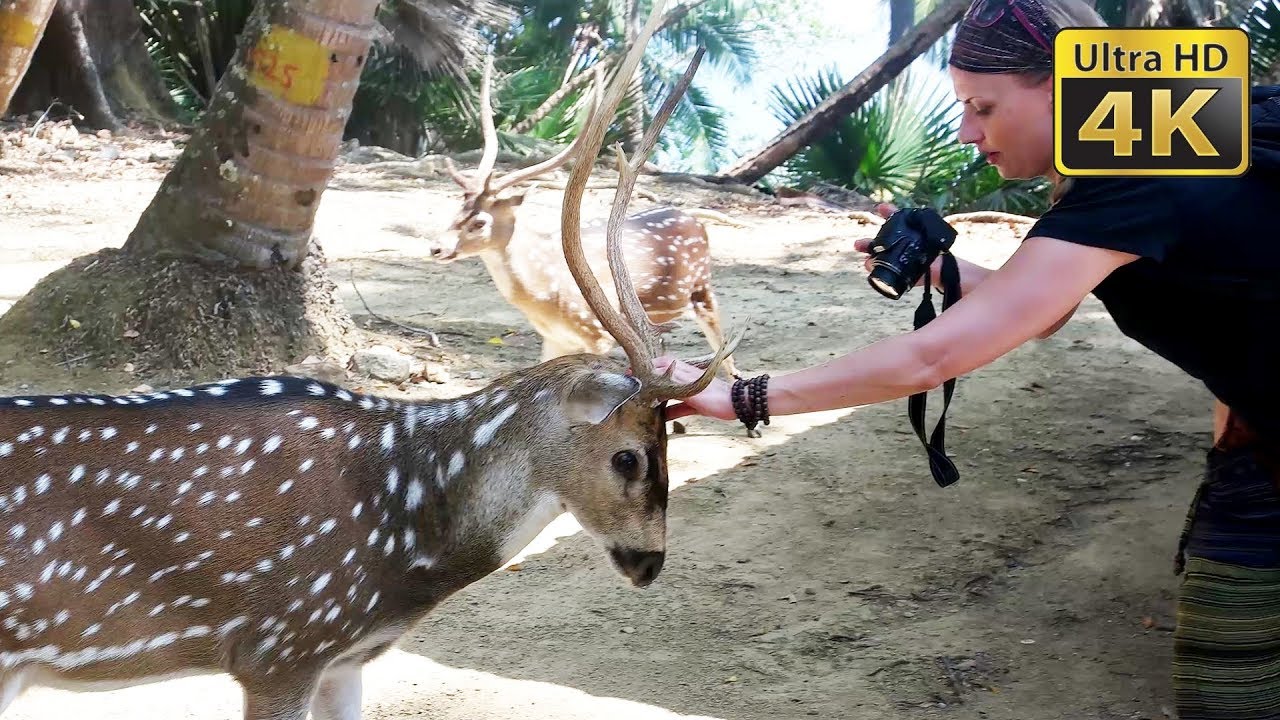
[
  {"x": 17, "y": 30},
  {"x": 290, "y": 66}
]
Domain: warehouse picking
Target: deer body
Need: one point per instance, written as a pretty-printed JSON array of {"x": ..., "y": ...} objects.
[
  {"x": 667, "y": 253},
  {"x": 283, "y": 530}
]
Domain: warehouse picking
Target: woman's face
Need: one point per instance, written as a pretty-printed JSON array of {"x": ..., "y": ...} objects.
[{"x": 1009, "y": 120}]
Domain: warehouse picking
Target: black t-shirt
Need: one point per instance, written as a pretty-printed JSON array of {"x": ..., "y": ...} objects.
[{"x": 1205, "y": 293}]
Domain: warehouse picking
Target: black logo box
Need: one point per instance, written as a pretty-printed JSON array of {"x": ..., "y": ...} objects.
[{"x": 1221, "y": 120}]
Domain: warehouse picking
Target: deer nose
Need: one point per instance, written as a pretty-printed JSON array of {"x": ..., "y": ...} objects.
[
  {"x": 439, "y": 252},
  {"x": 640, "y": 566}
]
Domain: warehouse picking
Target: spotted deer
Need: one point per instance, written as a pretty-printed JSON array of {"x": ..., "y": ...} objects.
[
  {"x": 285, "y": 531},
  {"x": 666, "y": 249}
]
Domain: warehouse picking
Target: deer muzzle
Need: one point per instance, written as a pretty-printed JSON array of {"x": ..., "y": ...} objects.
[
  {"x": 443, "y": 251},
  {"x": 641, "y": 567}
]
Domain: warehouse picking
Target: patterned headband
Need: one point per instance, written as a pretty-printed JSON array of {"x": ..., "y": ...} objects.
[{"x": 1000, "y": 36}]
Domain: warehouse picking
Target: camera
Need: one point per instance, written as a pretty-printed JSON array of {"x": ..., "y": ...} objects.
[{"x": 907, "y": 244}]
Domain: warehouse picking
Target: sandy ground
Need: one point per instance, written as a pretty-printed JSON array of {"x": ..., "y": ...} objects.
[{"x": 814, "y": 572}]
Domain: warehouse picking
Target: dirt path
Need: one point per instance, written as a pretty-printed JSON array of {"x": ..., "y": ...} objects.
[{"x": 814, "y": 572}]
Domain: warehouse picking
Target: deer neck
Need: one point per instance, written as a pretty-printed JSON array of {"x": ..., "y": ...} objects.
[
  {"x": 524, "y": 268},
  {"x": 468, "y": 501}
]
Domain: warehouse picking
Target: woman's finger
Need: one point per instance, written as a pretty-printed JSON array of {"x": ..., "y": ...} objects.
[{"x": 675, "y": 411}]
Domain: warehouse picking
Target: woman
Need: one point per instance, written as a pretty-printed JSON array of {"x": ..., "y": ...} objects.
[{"x": 1185, "y": 266}]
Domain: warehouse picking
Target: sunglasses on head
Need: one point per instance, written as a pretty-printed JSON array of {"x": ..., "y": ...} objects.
[{"x": 989, "y": 12}]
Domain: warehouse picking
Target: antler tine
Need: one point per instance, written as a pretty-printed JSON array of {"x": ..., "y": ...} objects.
[
  {"x": 560, "y": 158},
  {"x": 484, "y": 172},
  {"x": 458, "y": 177},
  {"x": 592, "y": 137},
  {"x": 628, "y": 172},
  {"x": 660, "y": 387}
]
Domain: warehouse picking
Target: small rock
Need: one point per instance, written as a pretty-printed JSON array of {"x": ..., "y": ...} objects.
[
  {"x": 63, "y": 156},
  {"x": 475, "y": 375},
  {"x": 128, "y": 367},
  {"x": 141, "y": 389},
  {"x": 104, "y": 134},
  {"x": 163, "y": 154},
  {"x": 435, "y": 373},
  {"x": 383, "y": 363},
  {"x": 110, "y": 153},
  {"x": 628, "y": 629},
  {"x": 318, "y": 368}
]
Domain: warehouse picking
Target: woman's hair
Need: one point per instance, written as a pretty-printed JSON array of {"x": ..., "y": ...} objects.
[{"x": 1016, "y": 36}]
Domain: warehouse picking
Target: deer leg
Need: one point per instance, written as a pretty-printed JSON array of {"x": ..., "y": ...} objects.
[
  {"x": 276, "y": 697},
  {"x": 706, "y": 311},
  {"x": 12, "y": 684},
  {"x": 338, "y": 697}
]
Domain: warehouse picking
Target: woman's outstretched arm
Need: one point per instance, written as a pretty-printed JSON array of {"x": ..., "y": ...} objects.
[{"x": 1040, "y": 284}]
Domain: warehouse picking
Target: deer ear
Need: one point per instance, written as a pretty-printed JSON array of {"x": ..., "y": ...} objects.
[{"x": 596, "y": 396}]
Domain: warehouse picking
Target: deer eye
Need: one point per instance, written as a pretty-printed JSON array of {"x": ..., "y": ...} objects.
[
  {"x": 476, "y": 224},
  {"x": 626, "y": 463}
]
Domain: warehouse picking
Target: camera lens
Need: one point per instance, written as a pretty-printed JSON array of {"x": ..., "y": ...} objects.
[{"x": 887, "y": 280}]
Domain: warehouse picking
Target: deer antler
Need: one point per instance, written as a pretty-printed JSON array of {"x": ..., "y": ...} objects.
[
  {"x": 484, "y": 179},
  {"x": 480, "y": 180},
  {"x": 637, "y": 336},
  {"x": 559, "y": 158}
]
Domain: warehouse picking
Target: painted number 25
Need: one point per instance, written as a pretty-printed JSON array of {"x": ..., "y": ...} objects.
[{"x": 266, "y": 63}]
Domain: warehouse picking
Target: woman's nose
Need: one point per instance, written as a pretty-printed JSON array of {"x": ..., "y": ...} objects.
[{"x": 969, "y": 133}]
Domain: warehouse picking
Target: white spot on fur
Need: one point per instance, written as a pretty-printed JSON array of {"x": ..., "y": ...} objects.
[{"x": 487, "y": 430}]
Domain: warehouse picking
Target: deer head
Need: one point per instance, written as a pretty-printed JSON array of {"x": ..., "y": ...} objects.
[{"x": 487, "y": 217}]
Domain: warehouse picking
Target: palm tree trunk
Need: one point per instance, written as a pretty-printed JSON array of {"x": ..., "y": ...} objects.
[
  {"x": 902, "y": 15},
  {"x": 862, "y": 88},
  {"x": 22, "y": 25},
  {"x": 246, "y": 189},
  {"x": 92, "y": 62}
]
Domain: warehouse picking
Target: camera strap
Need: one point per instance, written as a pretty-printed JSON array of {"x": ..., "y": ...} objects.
[{"x": 944, "y": 471}]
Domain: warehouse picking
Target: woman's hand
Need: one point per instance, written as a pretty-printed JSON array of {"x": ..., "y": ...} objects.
[{"x": 713, "y": 402}]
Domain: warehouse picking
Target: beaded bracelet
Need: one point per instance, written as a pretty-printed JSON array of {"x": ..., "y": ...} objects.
[{"x": 751, "y": 402}]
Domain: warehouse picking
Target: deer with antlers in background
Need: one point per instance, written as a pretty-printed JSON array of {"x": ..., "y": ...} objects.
[
  {"x": 286, "y": 531},
  {"x": 666, "y": 249}
]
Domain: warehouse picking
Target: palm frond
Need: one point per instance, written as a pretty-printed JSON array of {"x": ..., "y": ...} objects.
[
  {"x": 900, "y": 146},
  {"x": 718, "y": 26},
  {"x": 1262, "y": 24}
]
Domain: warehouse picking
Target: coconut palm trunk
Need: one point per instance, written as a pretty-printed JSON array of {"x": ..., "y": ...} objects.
[
  {"x": 22, "y": 24},
  {"x": 245, "y": 191},
  {"x": 87, "y": 62}
]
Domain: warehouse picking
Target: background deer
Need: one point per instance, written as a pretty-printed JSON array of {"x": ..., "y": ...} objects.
[
  {"x": 286, "y": 531},
  {"x": 666, "y": 250}
]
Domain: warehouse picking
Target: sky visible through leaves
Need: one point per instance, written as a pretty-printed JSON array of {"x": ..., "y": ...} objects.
[{"x": 849, "y": 34}]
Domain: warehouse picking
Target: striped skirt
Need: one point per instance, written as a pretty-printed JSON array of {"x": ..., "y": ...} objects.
[{"x": 1226, "y": 663}]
